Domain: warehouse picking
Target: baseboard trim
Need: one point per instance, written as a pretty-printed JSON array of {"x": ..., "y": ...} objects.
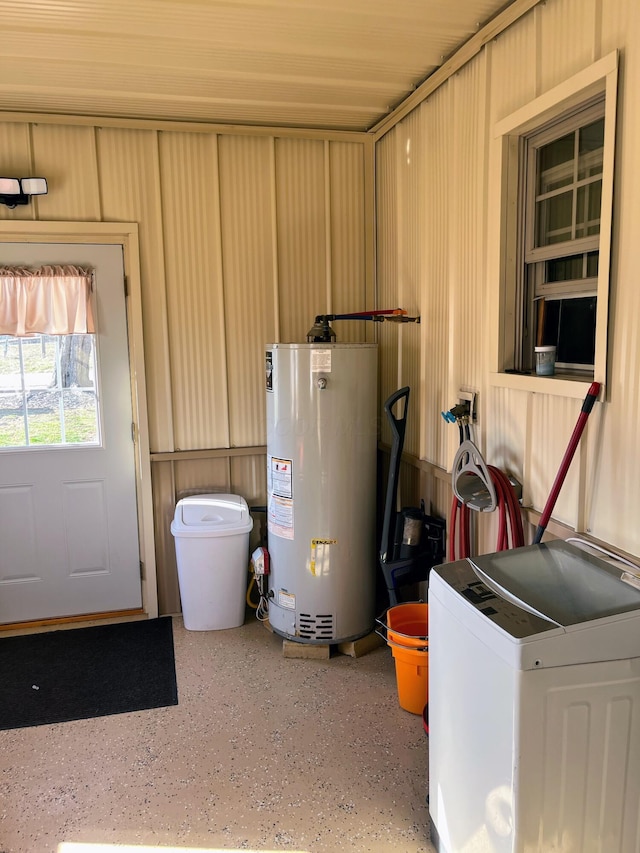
[{"x": 67, "y": 620}]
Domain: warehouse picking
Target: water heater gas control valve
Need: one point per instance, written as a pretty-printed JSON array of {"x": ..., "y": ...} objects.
[
  {"x": 260, "y": 561},
  {"x": 322, "y": 383}
]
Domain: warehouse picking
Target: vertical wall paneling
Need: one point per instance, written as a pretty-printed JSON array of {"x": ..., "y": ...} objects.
[
  {"x": 617, "y": 26},
  {"x": 249, "y": 478},
  {"x": 432, "y": 304},
  {"x": 300, "y": 194},
  {"x": 410, "y": 264},
  {"x": 468, "y": 232},
  {"x": 505, "y": 412},
  {"x": 248, "y": 259},
  {"x": 66, "y": 157},
  {"x": 163, "y": 511},
  {"x": 328, "y": 266},
  {"x": 128, "y": 166},
  {"x": 440, "y": 343},
  {"x": 346, "y": 220},
  {"x": 195, "y": 306},
  {"x": 387, "y": 265},
  {"x": 567, "y": 30},
  {"x": 198, "y": 476},
  {"x": 277, "y": 337},
  {"x": 553, "y": 421},
  {"x": 369, "y": 227},
  {"x": 515, "y": 47}
]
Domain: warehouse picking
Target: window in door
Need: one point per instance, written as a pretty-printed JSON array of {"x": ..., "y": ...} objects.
[{"x": 48, "y": 391}]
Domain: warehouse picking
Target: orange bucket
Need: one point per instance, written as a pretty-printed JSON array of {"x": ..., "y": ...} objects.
[{"x": 408, "y": 637}]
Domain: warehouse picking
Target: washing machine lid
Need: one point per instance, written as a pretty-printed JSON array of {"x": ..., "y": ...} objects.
[{"x": 560, "y": 583}]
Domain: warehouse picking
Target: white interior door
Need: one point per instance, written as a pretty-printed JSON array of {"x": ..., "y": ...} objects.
[{"x": 68, "y": 513}]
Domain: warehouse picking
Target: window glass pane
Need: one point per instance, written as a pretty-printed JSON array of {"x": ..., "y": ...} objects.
[
  {"x": 553, "y": 219},
  {"x": 570, "y": 324},
  {"x": 10, "y": 372},
  {"x": 555, "y": 164},
  {"x": 48, "y": 392},
  {"x": 77, "y": 368},
  {"x": 590, "y": 150},
  {"x": 39, "y": 361},
  {"x": 589, "y": 200},
  {"x": 43, "y": 416},
  {"x": 572, "y": 268},
  {"x": 12, "y": 425},
  {"x": 592, "y": 264},
  {"x": 80, "y": 417},
  {"x": 564, "y": 269}
]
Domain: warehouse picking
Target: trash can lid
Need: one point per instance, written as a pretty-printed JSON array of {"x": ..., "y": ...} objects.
[{"x": 211, "y": 515}]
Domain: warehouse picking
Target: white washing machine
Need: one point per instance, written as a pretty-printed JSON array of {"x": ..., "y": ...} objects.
[{"x": 534, "y": 703}]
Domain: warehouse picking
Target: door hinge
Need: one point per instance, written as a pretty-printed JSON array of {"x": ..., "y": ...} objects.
[
  {"x": 133, "y": 431},
  {"x": 142, "y": 573},
  {"x": 126, "y": 287}
]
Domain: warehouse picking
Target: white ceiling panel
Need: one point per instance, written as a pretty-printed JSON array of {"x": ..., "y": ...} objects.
[{"x": 334, "y": 64}]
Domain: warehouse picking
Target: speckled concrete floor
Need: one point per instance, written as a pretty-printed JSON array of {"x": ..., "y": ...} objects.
[{"x": 261, "y": 753}]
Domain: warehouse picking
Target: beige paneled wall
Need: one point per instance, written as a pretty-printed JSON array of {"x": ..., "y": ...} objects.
[
  {"x": 77, "y": 189},
  {"x": 195, "y": 293},
  {"x": 251, "y": 278},
  {"x": 128, "y": 168},
  {"x": 244, "y": 238},
  {"x": 387, "y": 205},
  {"x": 347, "y": 221},
  {"x": 450, "y": 136},
  {"x": 437, "y": 136},
  {"x": 302, "y": 235}
]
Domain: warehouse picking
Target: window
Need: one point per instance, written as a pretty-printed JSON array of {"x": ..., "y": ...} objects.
[
  {"x": 48, "y": 392},
  {"x": 561, "y": 207},
  {"x": 550, "y": 251}
]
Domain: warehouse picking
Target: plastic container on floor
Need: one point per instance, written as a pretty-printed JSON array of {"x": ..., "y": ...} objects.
[
  {"x": 211, "y": 535},
  {"x": 408, "y": 636}
]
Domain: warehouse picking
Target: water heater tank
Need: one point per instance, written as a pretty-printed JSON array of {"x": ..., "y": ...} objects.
[{"x": 321, "y": 483}]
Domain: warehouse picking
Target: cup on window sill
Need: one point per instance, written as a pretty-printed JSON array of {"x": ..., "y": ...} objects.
[{"x": 545, "y": 360}]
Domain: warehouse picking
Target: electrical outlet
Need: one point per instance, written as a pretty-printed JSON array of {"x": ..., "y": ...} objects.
[{"x": 470, "y": 398}]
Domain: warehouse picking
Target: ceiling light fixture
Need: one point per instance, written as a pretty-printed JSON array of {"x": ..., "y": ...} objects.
[{"x": 15, "y": 191}]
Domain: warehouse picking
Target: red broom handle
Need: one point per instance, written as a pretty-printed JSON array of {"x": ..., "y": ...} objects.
[{"x": 589, "y": 400}]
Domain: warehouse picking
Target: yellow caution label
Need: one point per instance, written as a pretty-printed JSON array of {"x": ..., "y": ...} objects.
[{"x": 319, "y": 562}]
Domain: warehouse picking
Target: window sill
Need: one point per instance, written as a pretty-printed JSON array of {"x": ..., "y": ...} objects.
[{"x": 570, "y": 385}]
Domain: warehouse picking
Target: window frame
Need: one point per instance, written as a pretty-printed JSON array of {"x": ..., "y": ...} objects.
[
  {"x": 533, "y": 258},
  {"x": 506, "y": 268}
]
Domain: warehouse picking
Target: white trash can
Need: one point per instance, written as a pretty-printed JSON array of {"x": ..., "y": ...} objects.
[{"x": 211, "y": 535}]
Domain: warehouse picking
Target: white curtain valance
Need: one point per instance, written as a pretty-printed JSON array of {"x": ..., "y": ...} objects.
[{"x": 50, "y": 300}]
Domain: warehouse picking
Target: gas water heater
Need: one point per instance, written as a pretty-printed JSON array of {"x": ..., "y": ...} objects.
[{"x": 321, "y": 489}]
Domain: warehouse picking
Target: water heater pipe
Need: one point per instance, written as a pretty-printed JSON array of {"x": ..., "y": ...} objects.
[{"x": 321, "y": 331}]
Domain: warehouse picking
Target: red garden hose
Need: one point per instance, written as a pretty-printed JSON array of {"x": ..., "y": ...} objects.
[{"x": 510, "y": 530}]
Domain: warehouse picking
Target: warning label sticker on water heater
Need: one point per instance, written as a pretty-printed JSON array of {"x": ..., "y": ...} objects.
[
  {"x": 321, "y": 361},
  {"x": 286, "y": 599},
  {"x": 280, "y": 519},
  {"x": 280, "y": 489},
  {"x": 281, "y": 477}
]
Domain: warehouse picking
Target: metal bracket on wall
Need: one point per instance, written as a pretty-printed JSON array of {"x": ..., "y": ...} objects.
[{"x": 469, "y": 397}]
